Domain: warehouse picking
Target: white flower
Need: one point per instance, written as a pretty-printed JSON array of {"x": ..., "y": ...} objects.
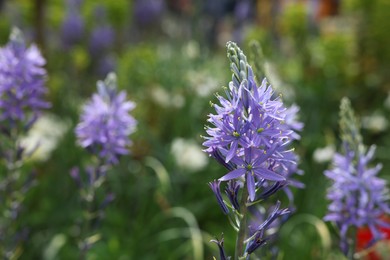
[
  {"x": 375, "y": 123},
  {"x": 191, "y": 49},
  {"x": 324, "y": 154},
  {"x": 165, "y": 99},
  {"x": 202, "y": 83},
  {"x": 188, "y": 154},
  {"x": 44, "y": 136}
]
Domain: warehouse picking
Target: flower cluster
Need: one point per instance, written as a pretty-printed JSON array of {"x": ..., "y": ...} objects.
[
  {"x": 22, "y": 91},
  {"x": 102, "y": 35},
  {"x": 250, "y": 136},
  {"x": 72, "y": 28},
  {"x": 252, "y": 130},
  {"x": 358, "y": 197},
  {"x": 105, "y": 123},
  {"x": 22, "y": 79}
]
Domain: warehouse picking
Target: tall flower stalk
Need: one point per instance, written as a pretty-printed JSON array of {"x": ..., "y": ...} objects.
[
  {"x": 103, "y": 130},
  {"x": 358, "y": 198},
  {"x": 72, "y": 28},
  {"x": 22, "y": 92},
  {"x": 250, "y": 135}
]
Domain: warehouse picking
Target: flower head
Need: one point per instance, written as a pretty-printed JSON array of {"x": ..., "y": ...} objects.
[
  {"x": 148, "y": 11},
  {"x": 105, "y": 123},
  {"x": 103, "y": 34},
  {"x": 22, "y": 79},
  {"x": 252, "y": 129},
  {"x": 358, "y": 197},
  {"x": 72, "y": 28}
]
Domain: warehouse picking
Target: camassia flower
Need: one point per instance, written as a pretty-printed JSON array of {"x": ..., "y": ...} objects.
[
  {"x": 251, "y": 130},
  {"x": 72, "y": 28},
  {"x": 358, "y": 197},
  {"x": 22, "y": 79},
  {"x": 22, "y": 92},
  {"x": 105, "y": 123}
]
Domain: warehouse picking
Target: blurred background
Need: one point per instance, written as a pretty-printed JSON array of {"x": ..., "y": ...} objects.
[{"x": 170, "y": 57}]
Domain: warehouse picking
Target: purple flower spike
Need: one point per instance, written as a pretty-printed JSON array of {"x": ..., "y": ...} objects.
[
  {"x": 72, "y": 28},
  {"x": 103, "y": 34},
  {"x": 102, "y": 38},
  {"x": 105, "y": 123},
  {"x": 22, "y": 79},
  {"x": 358, "y": 197},
  {"x": 148, "y": 11},
  {"x": 252, "y": 129}
]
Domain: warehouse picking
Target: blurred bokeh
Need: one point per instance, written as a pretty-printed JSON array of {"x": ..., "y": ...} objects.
[{"x": 170, "y": 57}]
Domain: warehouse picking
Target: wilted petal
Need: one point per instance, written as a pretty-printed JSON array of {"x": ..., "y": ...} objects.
[{"x": 214, "y": 185}]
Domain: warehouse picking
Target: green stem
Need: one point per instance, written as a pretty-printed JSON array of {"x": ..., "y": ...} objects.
[
  {"x": 243, "y": 225},
  {"x": 352, "y": 245},
  {"x": 10, "y": 194},
  {"x": 91, "y": 210}
]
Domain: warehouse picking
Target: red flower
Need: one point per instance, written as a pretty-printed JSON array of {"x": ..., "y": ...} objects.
[{"x": 364, "y": 236}]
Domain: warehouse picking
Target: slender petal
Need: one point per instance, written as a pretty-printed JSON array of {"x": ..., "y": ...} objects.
[
  {"x": 233, "y": 174},
  {"x": 251, "y": 186},
  {"x": 268, "y": 175}
]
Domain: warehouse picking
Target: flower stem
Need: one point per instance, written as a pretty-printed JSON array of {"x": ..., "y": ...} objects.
[
  {"x": 243, "y": 226},
  {"x": 352, "y": 245}
]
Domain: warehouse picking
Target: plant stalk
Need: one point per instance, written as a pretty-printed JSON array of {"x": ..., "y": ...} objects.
[
  {"x": 243, "y": 225},
  {"x": 352, "y": 245}
]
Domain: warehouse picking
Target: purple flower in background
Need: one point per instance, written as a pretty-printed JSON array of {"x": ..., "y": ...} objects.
[
  {"x": 104, "y": 129},
  {"x": 250, "y": 131},
  {"x": 103, "y": 35},
  {"x": 72, "y": 28},
  {"x": 148, "y": 11},
  {"x": 22, "y": 79},
  {"x": 106, "y": 64},
  {"x": 102, "y": 38},
  {"x": 22, "y": 91},
  {"x": 242, "y": 10},
  {"x": 105, "y": 123},
  {"x": 358, "y": 197}
]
